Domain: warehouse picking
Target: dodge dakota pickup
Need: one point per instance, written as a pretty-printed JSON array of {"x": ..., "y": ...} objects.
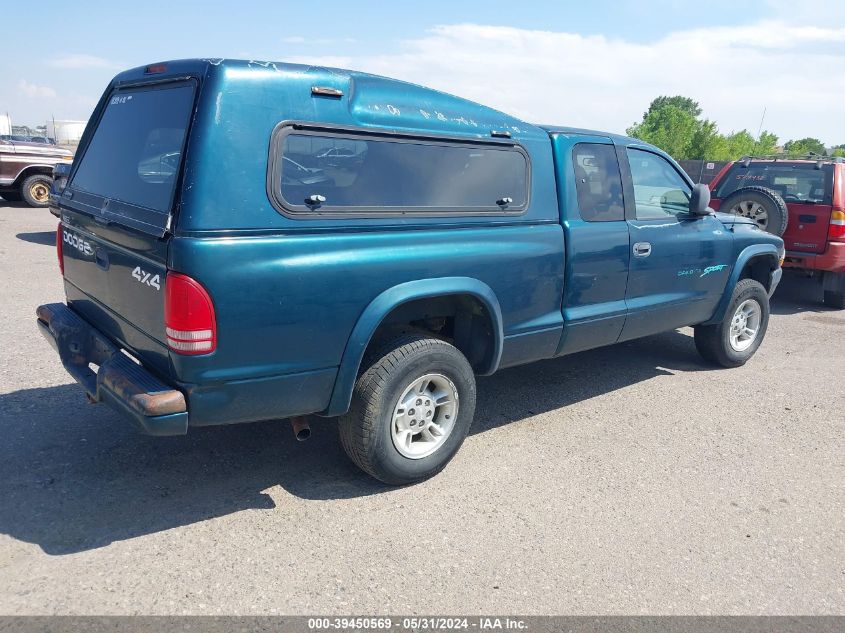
[{"x": 245, "y": 241}]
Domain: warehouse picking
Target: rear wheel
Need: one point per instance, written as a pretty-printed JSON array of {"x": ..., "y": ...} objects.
[
  {"x": 733, "y": 341},
  {"x": 36, "y": 190},
  {"x": 412, "y": 407}
]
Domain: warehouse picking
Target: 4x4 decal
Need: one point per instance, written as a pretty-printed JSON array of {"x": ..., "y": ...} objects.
[{"x": 154, "y": 281}]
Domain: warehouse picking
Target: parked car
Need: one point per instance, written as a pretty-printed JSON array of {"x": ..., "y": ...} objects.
[
  {"x": 802, "y": 200},
  {"x": 26, "y": 171},
  {"x": 463, "y": 241}
]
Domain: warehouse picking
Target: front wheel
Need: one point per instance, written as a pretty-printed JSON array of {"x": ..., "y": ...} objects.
[
  {"x": 733, "y": 341},
  {"x": 412, "y": 407},
  {"x": 36, "y": 190}
]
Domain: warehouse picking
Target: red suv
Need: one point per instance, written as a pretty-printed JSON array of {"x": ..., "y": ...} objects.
[{"x": 802, "y": 200}]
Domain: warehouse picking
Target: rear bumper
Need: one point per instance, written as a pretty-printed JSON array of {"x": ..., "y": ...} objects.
[
  {"x": 119, "y": 382},
  {"x": 833, "y": 259}
]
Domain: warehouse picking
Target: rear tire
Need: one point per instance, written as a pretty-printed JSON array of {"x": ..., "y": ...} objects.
[
  {"x": 735, "y": 340},
  {"x": 36, "y": 190},
  {"x": 410, "y": 376},
  {"x": 835, "y": 300},
  {"x": 761, "y": 204}
]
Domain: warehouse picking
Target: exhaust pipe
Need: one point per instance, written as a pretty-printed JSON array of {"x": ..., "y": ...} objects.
[{"x": 301, "y": 428}]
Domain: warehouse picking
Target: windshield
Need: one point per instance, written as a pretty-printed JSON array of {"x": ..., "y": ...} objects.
[
  {"x": 795, "y": 183},
  {"x": 136, "y": 150}
]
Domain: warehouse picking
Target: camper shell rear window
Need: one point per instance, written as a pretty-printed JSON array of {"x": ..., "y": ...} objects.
[
  {"x": 129, "y": 169},
  {"x": 317, "y": 171}
]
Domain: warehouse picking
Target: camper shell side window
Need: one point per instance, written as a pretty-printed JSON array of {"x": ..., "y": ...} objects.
[{"x": 343, "y": 172}]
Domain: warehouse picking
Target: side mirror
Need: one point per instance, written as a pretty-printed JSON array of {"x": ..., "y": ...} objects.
[{"x": 700, "y": 200}]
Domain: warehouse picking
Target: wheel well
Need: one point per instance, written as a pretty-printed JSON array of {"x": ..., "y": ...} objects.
[
  {"x": 760, "y": 269},
  {"x": 31, "y": 171},
  {"x": 462, "y": 320}
]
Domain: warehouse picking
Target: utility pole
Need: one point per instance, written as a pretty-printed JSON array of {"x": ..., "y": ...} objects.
[{"x": 760, "y": 129}]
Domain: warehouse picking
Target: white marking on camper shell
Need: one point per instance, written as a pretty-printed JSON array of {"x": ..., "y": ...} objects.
[
  {"x": 393, "y": 110},
  {"x": 217, "y": 107},
  {"x": 425, "y": 114},
  {"x": 440, "y": 116},
  {"x": 263, "y": 64},
  {"x": 214, "y": 61}
]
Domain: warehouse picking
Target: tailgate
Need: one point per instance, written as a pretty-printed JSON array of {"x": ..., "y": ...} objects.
[
  {"x": 115, "y": 280},
  {"x": 807, "y": 228}
]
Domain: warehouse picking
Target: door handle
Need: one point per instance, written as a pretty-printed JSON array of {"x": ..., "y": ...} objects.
[{"x": 642, "y": 249}]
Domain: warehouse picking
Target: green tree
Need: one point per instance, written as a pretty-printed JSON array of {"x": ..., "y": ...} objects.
[
  {"x": 674, "y": 124},
  {"x": 839, "y": 151},
  {"x": 707, "y": 143},
  {"x": 741, "y": 144},
  {"x": 682, "y": 103},
  {"x": 805, "y": 146},
  {"x": 766, "y": 144},
  {"x": 669, "y": 128}
]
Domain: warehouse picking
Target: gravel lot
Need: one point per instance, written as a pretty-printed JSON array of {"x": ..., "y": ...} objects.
[{"x": 631, "y": 479}]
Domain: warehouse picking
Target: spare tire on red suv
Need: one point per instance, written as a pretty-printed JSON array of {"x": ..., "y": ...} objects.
[{"x": 761, "y": 204}]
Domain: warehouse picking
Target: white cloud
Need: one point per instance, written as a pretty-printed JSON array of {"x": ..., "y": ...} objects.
[
  {"x": 34, "y": 91},
  {"x": 794, "y": 71},
  {"x": 78, "y": 62}
]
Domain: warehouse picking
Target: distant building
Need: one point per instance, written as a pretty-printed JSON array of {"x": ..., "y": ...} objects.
[
  {"x": 5, "y": 124},
  {"x": 66, "y": 132}
]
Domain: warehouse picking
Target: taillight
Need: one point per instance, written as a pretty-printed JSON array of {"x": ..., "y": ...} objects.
[
  {"x": 59, "y": 250},
  {"x": 837, "y": 225},
  {"x": 188, "y": 316}
]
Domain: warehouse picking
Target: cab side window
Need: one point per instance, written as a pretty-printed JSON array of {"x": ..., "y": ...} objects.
[
  {"x": 659, "y": 190},
  {"x": 598, "y": 182}
]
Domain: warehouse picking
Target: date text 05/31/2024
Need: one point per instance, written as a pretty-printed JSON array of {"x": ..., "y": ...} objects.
[{"x": 417, "y": 624}]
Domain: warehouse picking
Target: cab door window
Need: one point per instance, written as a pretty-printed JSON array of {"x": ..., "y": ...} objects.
[
  {"x": 659, "y": 190},
  {"x": 598, "y": 182}
]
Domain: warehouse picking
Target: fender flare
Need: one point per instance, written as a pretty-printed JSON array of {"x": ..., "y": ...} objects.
[
  {"x": 386, "y": 302},
  {"x": 33, "y": 166},
  {"x": 747, "y": 254}
]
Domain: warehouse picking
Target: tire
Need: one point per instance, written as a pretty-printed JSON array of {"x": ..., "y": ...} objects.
[
  {"x": 11, "y": 196},
  {"x": 835, "y": 300},
  {"x": 761, "y": 204},
  {"x": 36, "y": 190},
  {"x": 716, "y": 343},
  {"x": 382, "y": 443}
]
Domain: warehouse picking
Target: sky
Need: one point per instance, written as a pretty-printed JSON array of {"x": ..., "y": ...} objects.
[{"x": 595, "y": 64}]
